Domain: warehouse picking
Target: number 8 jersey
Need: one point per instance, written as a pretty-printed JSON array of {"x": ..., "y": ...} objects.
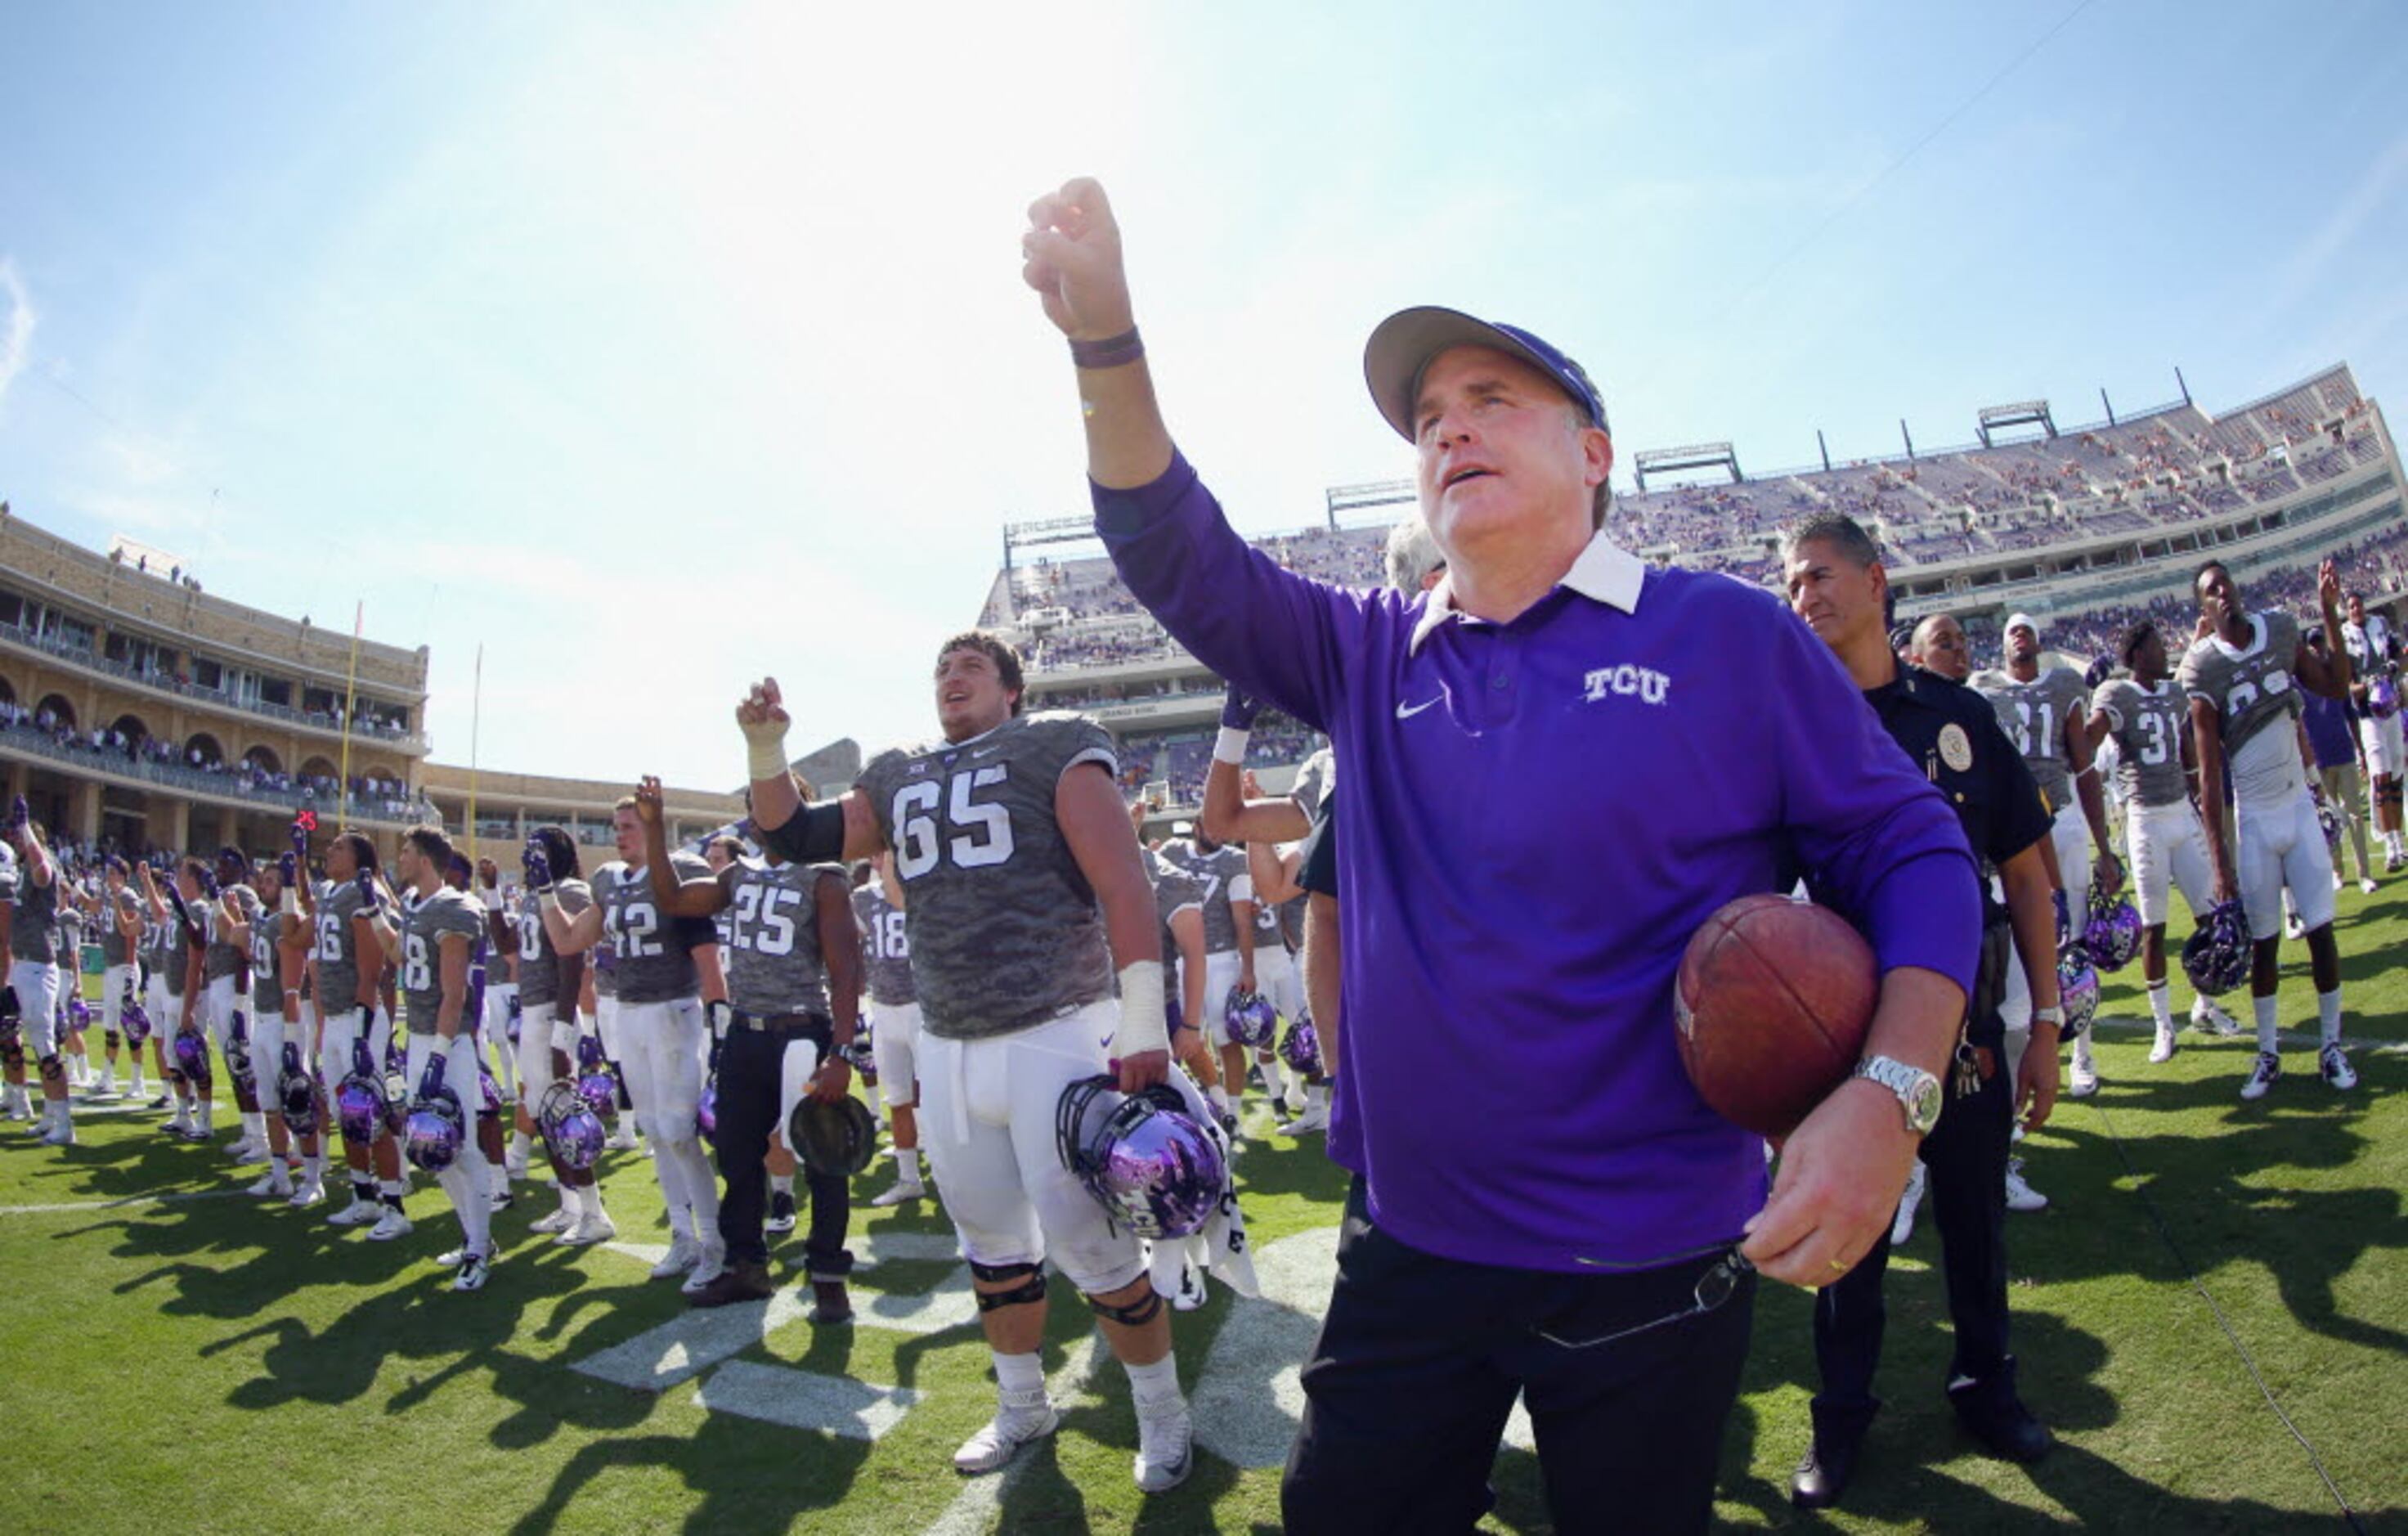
[{"x": 1004, "y": 930}]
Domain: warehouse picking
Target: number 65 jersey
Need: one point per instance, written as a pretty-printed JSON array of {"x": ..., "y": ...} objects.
[{"x": 1005, "y": 932}]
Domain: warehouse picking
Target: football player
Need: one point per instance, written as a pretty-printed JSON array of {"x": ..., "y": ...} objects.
[
  {"x": 549, "y": 986},
  {"x": 271, "y": 1025},
  {"x": 1229, "y": 941},
  {"x": 430, "y": 945},
  {"x": 2244, "y": 682},
  {"x": 660, "y": 1035},
  {"x": 886, "y": 969},
  {"x": 2144, "y": 718},
  {"x": 460, "y": 876},
  {"x": 227, "y": 909},
  {"x": 73, "y": 1015},
  {"x": 2045, "y": 714},
  {"x": 31, "y": 947},
  {"x": 120, "y": 976},
  {"x": 351, "y": 1010},
  {"x": 1023, "y": 894},
  {"x": 2380, "y": 738},
  {"x": 793, "y": 991},
  {"x": 165, "y": 954}
]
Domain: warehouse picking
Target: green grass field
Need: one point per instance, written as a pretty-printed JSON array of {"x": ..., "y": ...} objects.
[{"x": 201, "y": 1363}]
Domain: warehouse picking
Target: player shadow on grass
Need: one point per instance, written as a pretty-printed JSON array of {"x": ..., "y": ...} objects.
[{"x": 751, "y": 1476}]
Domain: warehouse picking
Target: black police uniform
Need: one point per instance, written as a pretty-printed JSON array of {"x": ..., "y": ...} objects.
[{"x": 1953, "y": 733}]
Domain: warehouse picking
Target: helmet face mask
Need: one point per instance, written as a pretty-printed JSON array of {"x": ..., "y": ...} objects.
[
  {"x": 433, "y": 1130},
  {"x": 1301, "y": 1049},
  {"x": 838, "y": 1137},
  {"x": 571, "y": 1129},
  {"x": 1152, "y": 1168}
]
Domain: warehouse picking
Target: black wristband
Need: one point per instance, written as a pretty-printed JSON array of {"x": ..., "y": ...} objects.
[
  {"x": 1110, "y": 352},
  {"x": 813, "y": 835}
]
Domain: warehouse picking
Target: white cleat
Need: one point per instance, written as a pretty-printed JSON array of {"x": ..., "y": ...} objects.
[
  {"x": 1312, "y": 1118},
  {"x": 1192, "y": 1293},
  {"x": 453, "y": 1259},
  {"x": 273, "y": 1185},
  {"x": 473, "y": 1270},
  {"x": 621, "y": 1140},
  {"x": 2086, "y": 1069},
  {"x": 391, "y": 1223},
  {"x": 1901, "y": 1227},
  {"x": 683, "y": 1255},
  {"x": 903, "y": 1190},
  {"x": 559, "y": 1221},
  {"x": 2366, "y": 883},
  {"x": 2208, "y": 1014},
  {"x": 309, "y": 1193},
  {"x": 2021, "y": 1196},
  {"x": 244, "y": 1150},
  {"x": 62, "y": 1132},
  {"x": 590, "y": 1230},
  {"x": 1019, "y": 1419},
  {"x": 1164, "y": 1446},
  {"x": 2163, "y": 1051},
  {"x": 359, "y": 1213},
  {"x": 709, "y": 1266},
  {"x": 2263, "y": 1074},
  {"x": 2334, "y": 1063}
]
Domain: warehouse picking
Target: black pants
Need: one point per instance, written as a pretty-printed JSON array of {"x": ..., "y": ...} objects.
[
  {"x": 1967, "y": 1157},
  {"x": 751, "y": 1063},
  {"x": 1420, "y": 1360}
]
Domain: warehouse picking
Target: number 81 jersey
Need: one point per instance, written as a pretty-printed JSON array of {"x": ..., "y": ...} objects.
[{"x": 1005, "y": 932}]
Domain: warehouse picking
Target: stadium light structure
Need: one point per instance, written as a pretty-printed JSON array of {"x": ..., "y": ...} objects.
[
  {"x": 1673, "y": 461},
  {"x": 2015, "y": 418},
  {"x": 1358, "y": 498}
]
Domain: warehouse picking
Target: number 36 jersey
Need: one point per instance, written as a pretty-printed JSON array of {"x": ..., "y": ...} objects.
[{"x": 1005, "y": 932}]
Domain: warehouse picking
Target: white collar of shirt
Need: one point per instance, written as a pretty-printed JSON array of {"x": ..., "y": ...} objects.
[
  {"x": 2256, "y": 639},
  {"x": 1604, "y": 573}
]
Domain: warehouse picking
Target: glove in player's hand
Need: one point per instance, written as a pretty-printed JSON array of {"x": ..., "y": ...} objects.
[
  {"x": 371, "y": 899},
  {"x": 288, "y": 866},
  {"x": 1071, "y": 256},
  {"x": 538, "y": 867},
  {"x": 1237, "y": 711}
]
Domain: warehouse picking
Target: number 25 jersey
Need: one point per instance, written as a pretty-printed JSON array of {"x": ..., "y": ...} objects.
[{"x": 1005, "y": 932}]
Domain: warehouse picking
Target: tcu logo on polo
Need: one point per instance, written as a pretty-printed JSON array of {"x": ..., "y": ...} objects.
[{"x": 1627, "y": 681}]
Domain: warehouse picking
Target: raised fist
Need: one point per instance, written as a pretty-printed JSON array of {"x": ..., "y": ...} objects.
[
  {"x": 371, "y": 900},
  {"x": 1237, "y": 711},
  {"x": 647, "y": 800},
  {"x": 1071, "y": 256},
  {"x": 489, "y": 874},
  {"x": 20, "y": 814},
  {"x": 762, "y": 715},
  {"x": 289, "y": 868}
]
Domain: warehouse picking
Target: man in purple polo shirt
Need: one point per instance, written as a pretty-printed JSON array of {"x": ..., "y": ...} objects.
[{"x": 1557, "y": 771}]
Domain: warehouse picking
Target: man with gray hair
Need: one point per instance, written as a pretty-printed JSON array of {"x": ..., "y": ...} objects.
[
  {"x": 1414, "y": 559},
  {"x": 1471, "y": 718}
]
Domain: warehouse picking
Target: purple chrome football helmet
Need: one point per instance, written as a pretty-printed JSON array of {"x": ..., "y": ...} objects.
[
  {"x": 2329, "y": 822},
  {"x": 1301, "y": 1049},
  {"x": 2113, "y": 935},
  {"x": 572, "y": 1131},
  {"x": 595, "y": 1082},
  {"x": 705, "y": 1113},
  {"x": 2077, "y": 987},
  {"x": 1250, "y": 1017},
  {"x": 78, "y": 1012},
  {"x": 238, "y": 1053},
  {"x": 134, "y": 1020},
  {"x": 1151, "y": 1168},
  {"x": 191, "y": 1054},
  {"x": 2217, "y": 957},
  {"x": 296, "y": 1093},
  {"x": 360, "y": 1098},
  {"x": 2383, "y": 697},
  {"x": 433, "y": 1134},
  {"x": 489, "y": 1090}
]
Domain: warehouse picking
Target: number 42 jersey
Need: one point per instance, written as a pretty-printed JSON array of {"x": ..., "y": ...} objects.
[{"x": 1005, "y": 932}]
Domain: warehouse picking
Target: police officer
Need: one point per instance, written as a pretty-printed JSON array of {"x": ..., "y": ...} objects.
[{"x": 1837, "y": 585}]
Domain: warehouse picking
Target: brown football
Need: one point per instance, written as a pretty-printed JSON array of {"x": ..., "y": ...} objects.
[{"x": 1773, "y": 1001}]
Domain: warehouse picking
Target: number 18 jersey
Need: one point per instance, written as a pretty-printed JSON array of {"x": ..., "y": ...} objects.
[{"x": 1004, "y": 930}]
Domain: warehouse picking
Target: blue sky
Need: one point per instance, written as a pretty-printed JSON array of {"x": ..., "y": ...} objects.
[{"x": 653, "y": 347}]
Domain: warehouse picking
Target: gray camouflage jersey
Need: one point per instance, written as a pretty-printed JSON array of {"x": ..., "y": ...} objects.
[
  {"x": 224, "y": 957},
  {"x": 2251, "y": 689},
  {"x": 338, "y": 947},
  {"x": 71, "y": 925},
  {"x": 2146, "y": 724},
  {"x": 424, "y": 924},
  {"x": 266, "y": 972},
  {"x": 773, "y": 932},
  {"x": 114, "y": 950},
  {"x": 1216, "y": 872},
  {"x": 540, "y": 964},
  {"x": 655, "y": 950},
  {"x": 1005, "y": 931},
  {"x": 34, "y": 933},
  {"x": 885, "y": 948},
  {"x": 2033, "y": 716},
  {"x": 1174, "y": 891}
]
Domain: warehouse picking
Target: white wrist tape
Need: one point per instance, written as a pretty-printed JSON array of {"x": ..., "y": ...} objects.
[
  {"x": 1231, "y": 747},
  {"x": 1143, "y": 1025},
  {"x": 546, "y": 900},
  {"x": 290, "y": 903},
  {"x": 765, "y": 757}
]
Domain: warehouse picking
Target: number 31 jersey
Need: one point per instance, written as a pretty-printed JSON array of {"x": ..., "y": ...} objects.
[
  {"x": 1005, "y": 932},
  {"x": 2147, "y": 726}
]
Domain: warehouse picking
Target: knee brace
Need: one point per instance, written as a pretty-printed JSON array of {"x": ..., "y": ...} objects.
[
  {"x": 54, "y": 1068},
  {"x": 12, "y": 1049},
  {"x": 113, "y": 1038},
  {"x": 1031, "y": 1289},
  {"x": 1136, "y": 1314}
]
